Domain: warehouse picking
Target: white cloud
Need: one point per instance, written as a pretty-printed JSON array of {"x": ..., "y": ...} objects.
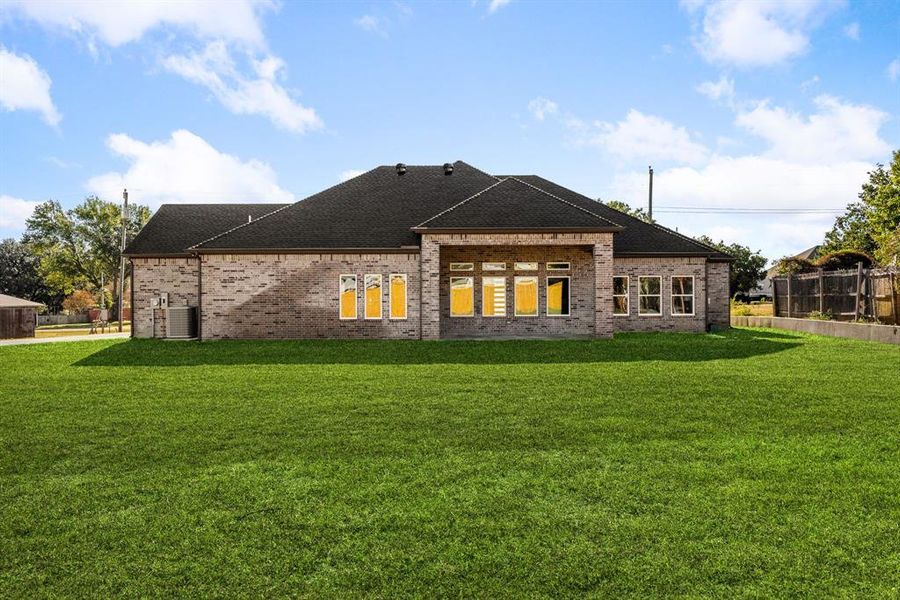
[
  {"x": 808, "y": 83},
  {"x": 116, "y": 23},
  {"x": 852, "y": 31},
  {"x": 351, "y": 173},
  {"x": 542, "y": 107},
  {"x": 25, "y": 86},
  {"x": 837, "y": 132},
  {"x": 496, "y": 5},
  {"x": 261, "y": 93},
  {"x": 755, "y": 32},
  {"x": 718, "y": 90},
  {"x": 186, "y": 169},
  {"x": 372, "y": 24},
  {"x": 893, "y": 69},
  {"x": 641, "y": 136},
  {"x": 14, "y": 211}
]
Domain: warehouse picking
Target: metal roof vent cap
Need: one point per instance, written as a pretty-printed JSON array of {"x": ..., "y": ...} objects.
[
  {"x": 401, "y": 168},
  {"x": 448, "y": 168}
]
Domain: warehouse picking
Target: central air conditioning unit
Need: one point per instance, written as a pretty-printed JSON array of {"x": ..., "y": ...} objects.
[{"x": 181, "y": 322}]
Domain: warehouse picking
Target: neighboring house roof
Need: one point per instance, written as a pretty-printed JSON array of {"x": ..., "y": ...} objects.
[
  {"x": 13, "y": 302},
  {"x": 174, "y": 228},
  {"x": 381, "y": 209},
  {"x": 808, "y": 254},
  {"x": 516, "y": 205}
]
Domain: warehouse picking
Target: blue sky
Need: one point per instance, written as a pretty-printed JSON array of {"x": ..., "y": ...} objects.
[{"x": 736, "y": 104}]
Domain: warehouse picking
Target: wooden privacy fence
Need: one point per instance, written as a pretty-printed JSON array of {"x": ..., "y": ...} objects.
[{"x": 847, "y": 295}]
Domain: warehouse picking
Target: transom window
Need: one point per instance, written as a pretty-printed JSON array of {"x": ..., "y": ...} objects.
[
  {"x": 462, "y": 266},
  {"x": 620, "y": 295},
  {"x": 493, "y": 266},
  {"x": 493, "y": 296},
  {"x": 526, "y": 266},
  {"x": 526, "y": 296},
  {"x": 397, "y": 291},
  {"x": 372, "y": 285},
  {"x": 558, "y": 266},
  {"x": 683, "y": 295},
  {"x": 650, "y": 296},
  {"x": 462, "y": 297},
  {"x": 348, "y": 296},
  {"x": 559, "y": 296}
]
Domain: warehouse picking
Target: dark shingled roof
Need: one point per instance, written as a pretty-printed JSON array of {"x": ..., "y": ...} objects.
[
  {"x": 174, "y": 228},
  {"x": 380, "y": 210},
  {"x": 514, "y": 204}
]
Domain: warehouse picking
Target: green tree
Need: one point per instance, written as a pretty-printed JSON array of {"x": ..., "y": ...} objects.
[
  {"x": 80, "y": 247},
  {"x": 747, "y": 269},
  {"x": 20, "y": 275},
  {"x": 638, "y": 213},
  {"x": 872, "y": 224}
]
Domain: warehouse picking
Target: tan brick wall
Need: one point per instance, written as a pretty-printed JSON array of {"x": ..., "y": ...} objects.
[
  {"x": 296, "y": 296},
  {"x": 153, "y": 276},
  {"x": 666, "y": 268},
  {"x": 719, "y": 306}
]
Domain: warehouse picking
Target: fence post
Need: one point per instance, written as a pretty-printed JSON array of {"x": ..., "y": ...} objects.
[
  {"x": 821, "y": 292},
  {"x": 859, "y": 282},
  {"x": 893, "y": 298},
  {"x": 774, "y": 298},
  {"x": 789, "y": 277}
]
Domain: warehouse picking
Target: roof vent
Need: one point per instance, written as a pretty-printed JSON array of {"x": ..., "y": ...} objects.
[
  {"x": 249, "y": 218},
  {"x": 401, "y": 168},
  {"x": 448, "y": 168}
]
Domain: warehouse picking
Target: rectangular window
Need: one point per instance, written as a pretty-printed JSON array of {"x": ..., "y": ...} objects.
[
  {"x": 493, "y": 266},
  {"x": 373, "y": 296},
  {"x": 526, "y": 266},
  {"x": 526, "y": 296},
  {"x": 493, "y": 296},
  {"x": 559, "y": 297},
  {"x": 348, "y": 296},
  {"x": 397, "y": 293},
  {"x": 620, "y": 295},
  {"x": 462, "y": 297},
  {"x": 650, "y": 296},
  {"x": 558, "y": 266},
  {"x": 462, "y": 266},
  {"x": 683, "y": 295}
]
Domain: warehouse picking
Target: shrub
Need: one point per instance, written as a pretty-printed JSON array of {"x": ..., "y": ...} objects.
[
  {"x": 820, "y": 316},
  {"x": 791, "y": 264},
  {"x": 79, "y": 301},
  {"x": 844, "y": 259}
]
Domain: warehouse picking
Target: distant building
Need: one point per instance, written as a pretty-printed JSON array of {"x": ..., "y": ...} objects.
[{"x": 764, "y": 289}]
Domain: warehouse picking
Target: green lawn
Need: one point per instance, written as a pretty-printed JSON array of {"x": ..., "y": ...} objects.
[{"x": 753, "y": 463}]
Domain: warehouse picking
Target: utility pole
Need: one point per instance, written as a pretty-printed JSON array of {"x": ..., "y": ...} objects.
[
  {"x": 122, "y": 259},
  {"x": 650, "y": 212}
]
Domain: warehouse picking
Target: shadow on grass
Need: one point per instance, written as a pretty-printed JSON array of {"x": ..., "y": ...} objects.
[{"x": 733, "y": 344}]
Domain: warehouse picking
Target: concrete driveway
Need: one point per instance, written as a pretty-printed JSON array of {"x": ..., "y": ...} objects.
[{"x": 69, "y": 338}]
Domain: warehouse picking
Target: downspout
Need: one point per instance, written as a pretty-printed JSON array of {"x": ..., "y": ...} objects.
[
  {"x": 131, "y": 294},
  {"x": 199, "y": 297},
  {"x": 706, "y": 288}
]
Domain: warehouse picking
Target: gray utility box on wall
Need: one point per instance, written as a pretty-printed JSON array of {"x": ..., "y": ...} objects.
[{"x": 181, "y": 322}]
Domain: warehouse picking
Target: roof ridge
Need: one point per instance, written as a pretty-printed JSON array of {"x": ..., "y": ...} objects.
[
  {"x": 458, "y": 204},
  {"x": 479, "y": 170},
  {"x": 554, "y": 196}
]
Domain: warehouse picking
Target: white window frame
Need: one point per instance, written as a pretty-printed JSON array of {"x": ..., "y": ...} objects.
[
  {"x": 462, "y": 266},
  {"x": 518, "y": 266},
  {"x": 355, "y": 292},
  {"x": 547, "y": 293},
  {"x": 568, "y": 266},
  {"x": 493, "y": 266},
  {"x": 380, "y": 316},
  {"x": 693, "y": 296},
  {"x": 470, "y": 278},
  {"x": 505, "y": 306},
  {"x": 391, "y": 317},
  {"x": 627, "y": 296},
  {"x": 537, "y": 299},
  {"x": 660, "y": 295}
]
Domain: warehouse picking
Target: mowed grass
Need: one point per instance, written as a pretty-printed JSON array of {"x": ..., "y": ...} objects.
[{"x": 752, "y": 463}]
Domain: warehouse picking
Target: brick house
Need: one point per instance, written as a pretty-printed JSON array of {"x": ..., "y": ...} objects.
[{"x": 424, "y": 252}]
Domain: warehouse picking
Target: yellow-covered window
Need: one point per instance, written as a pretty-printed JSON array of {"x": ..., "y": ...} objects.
[
  {"x": 398, "y": 296},
  {"x": 558, "y": 297},
  {"x": 373, "y": 296},
  {"x": 493, "y": 296},
  {"x": 348, "y": 296},
  {"x": 462, "y": 297},
  {"x": 526, "y": 296}
]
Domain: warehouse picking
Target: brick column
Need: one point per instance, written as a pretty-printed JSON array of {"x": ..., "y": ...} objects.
[
  {"x": 603, "y": 273},
  {"x": 430, "y": 265}
]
